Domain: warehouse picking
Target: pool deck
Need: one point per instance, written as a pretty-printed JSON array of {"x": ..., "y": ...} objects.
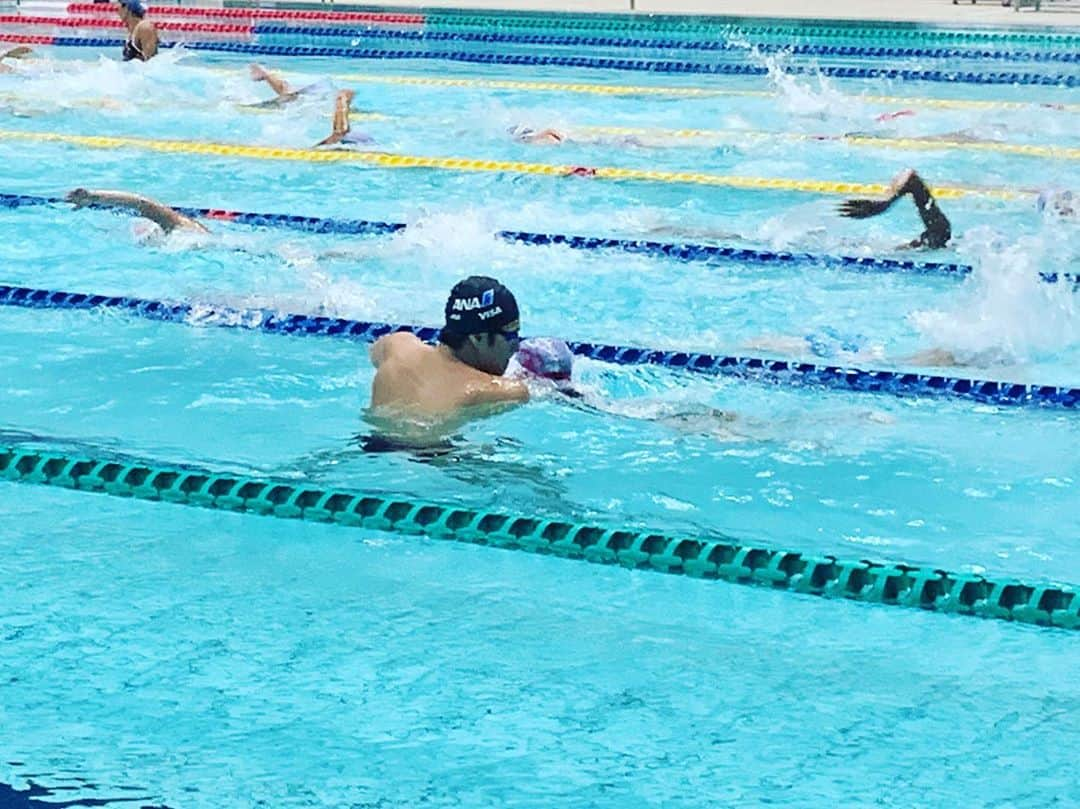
[{"x": 1057, "y": 13}]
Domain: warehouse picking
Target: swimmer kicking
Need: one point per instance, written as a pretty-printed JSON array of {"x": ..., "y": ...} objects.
[
  {"x": 283, "y": 92},
  {"x": 341, "y": 134},
  {"x": 142, "y": 41},
  {"x": 422, "y": 393}
]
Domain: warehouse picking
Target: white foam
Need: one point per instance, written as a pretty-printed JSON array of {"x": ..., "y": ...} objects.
[{"x": 1004, "y": 313}]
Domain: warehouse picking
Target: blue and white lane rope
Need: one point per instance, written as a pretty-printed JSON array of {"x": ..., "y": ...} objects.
[
  {"x": 678, "y": 251},
  {"x": 779, "y": 372},
  {"x": 605, "y": 63},
  {"x": 710, "y": 45},
  {"x": 674, "y": 250}
]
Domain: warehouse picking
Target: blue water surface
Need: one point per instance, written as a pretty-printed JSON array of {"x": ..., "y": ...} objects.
[{"x": 185, "y": 658}]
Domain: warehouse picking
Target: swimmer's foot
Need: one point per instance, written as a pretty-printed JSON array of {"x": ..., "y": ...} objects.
[
  {"x": 18, "y": 52},
  {"x": 258, "y": 72}
]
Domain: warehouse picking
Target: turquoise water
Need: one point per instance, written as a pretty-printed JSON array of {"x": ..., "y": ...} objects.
[{"x": 201, "y": 659}]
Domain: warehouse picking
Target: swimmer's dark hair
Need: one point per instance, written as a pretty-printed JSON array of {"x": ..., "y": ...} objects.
[
  {"x": 455, "y": 340},
  {"x": 451, "y": 338}
]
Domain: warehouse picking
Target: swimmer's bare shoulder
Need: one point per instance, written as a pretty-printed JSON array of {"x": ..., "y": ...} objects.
[
  {"x": 403, "y": 363},
  {"x": 394, "y": 345}
]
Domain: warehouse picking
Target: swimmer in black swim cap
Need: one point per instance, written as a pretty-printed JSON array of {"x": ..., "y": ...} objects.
[
  {"x": 418, "y": 383},
  {"x": 142, "y": 41}
]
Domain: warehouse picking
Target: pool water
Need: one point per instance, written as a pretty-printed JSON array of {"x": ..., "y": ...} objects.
[{"x": 185, "y": 658}]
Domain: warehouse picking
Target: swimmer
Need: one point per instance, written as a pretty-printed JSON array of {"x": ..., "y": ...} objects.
[
  {"x": 1058, "y": 203},
  {"x": 162, "y": 215},
  {"x": 544, "y": 137},
  {"x": 938, "y": 230},
  {"x": 550, "y": 362},
  {"x": 553, "y": 137},
  {"x": 421, "y": 393},
  {"x": 341, "y": 134},
  {"x": 18, "y": 52},
  {"x": 835, "y": 346},
  {"x": 142, "y": 41},
  {"x": 284, "y": 93}
]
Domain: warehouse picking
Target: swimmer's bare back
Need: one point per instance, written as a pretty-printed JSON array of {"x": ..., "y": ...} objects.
[{"x": 414, "y": 380}]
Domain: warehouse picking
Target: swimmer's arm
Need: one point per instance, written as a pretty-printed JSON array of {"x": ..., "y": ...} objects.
[
  {"x": 162, "y": 215},
  {"x": 499, "y": 390},
  {"x": 938, "y": 230}
]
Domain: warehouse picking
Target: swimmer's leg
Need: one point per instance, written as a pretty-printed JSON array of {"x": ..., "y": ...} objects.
[
  {"x": 340, "y": 127},
  {"x": 284, "y": 92},
  {"x": 934, "y": 357}
]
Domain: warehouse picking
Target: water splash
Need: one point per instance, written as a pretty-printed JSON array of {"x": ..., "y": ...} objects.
[{"x": 1005, "y": 314}]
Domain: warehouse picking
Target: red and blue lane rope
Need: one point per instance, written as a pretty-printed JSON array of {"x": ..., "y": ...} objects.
[
  {"x": 390, "y": 18},
  {"x": 100, "y": 22}
]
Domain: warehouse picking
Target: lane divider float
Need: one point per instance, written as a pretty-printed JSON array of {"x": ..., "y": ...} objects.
[
  {"x": 678, "y": 251},
  {"x": 652, "y": 23},
  {"x": 722, "y": 45},
  {"x": 606, "y": 63},
  {"x": 384, "y": 160},
  {"x": 715, "y": 558},
  {"x": 769, "y": 371}
]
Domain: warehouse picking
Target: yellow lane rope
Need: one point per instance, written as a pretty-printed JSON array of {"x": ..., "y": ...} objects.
[
  {"x": 722, "y": 135},
  {"x": 470, "y": 164},
  {"x": 944, "y": 142},
  {"x": 617, "y": 89}
]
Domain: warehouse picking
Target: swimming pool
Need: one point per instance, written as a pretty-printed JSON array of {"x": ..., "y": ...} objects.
[{"x": 192, "y": 658}]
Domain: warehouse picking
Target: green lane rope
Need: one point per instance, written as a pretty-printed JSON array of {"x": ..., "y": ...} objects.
[
  {"x": 894, "y": 584},
  {"x": 702, "y": 27}
]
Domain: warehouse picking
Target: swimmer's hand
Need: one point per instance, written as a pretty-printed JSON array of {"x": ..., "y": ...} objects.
[{"x": 863, "y": 208}]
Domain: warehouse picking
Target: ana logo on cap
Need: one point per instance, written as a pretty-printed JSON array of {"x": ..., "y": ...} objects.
[{"x": 468, "y": 304}]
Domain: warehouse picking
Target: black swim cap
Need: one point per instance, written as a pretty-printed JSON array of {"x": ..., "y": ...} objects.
[{"x": 479, "y": 305}]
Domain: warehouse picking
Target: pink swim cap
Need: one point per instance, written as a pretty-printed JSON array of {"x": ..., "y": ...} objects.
[{"x": 547, "y": 357}]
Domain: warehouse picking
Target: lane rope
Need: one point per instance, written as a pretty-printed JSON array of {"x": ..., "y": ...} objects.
[
  {"x": 257, "y": 14},
  {"x": 711, "y": 27},
  {"x": 679, "y": 251},
  {"x": 114, "y": 22},
  {"x": 683, "y": 24},
  {"x": 767, "y": 371},
  {"x": 873, "y": 141},
  {"x": 383, "y": 160},
  {"x": 705, "y": 46},
  {"x": 607, "y": 63},
  {"x": 700, "y": 557}
]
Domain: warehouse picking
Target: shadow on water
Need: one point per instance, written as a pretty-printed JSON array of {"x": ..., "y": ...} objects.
[{"x": 36, "y": 796}]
